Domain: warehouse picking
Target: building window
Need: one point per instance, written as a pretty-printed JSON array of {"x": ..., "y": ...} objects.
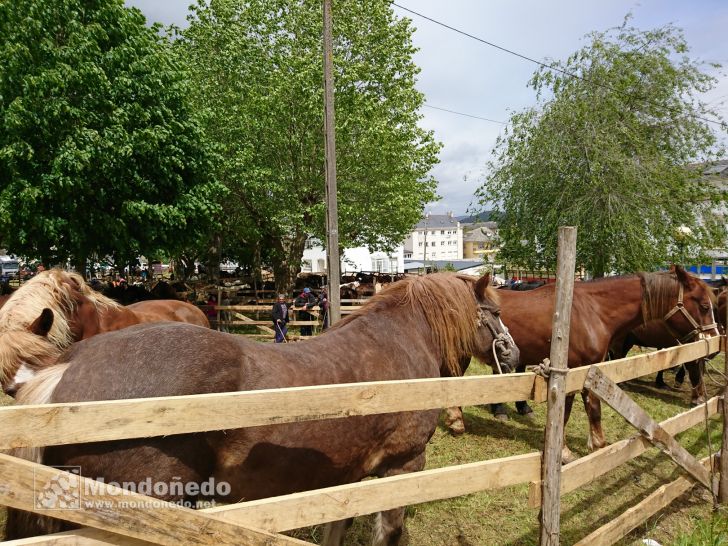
[
  {"x": 442, "y": 232},
  {"x": 393, "y": 264},
  {"x": 442, "y": 243},
  {"x": 420, "y": 243},
  {"x": 306, "y": 266}
]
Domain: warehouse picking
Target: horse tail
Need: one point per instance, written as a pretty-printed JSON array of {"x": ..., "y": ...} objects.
[
  {"x": 40, "y": 388},
  {"x": 22, "y": 524}
]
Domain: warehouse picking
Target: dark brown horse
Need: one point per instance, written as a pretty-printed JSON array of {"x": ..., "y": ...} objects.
[
  {"x": 77, "y": 312},
  {"x": 655, "y": 335},
  {"x": 601, "y": 310},
  {"x": 417, "y": 328}
]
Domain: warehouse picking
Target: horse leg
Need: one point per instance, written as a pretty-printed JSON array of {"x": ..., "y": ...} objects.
[
  {"x": 660, "y": 380},
  {"x": 593, "y": 407},
  {"x": 389, "y": 524},
  {"x": 695, "y": 373},
  {"x": 499, "y": 411},
  {"x": 566, "y": 455},
  {"x": 523, "y": 408},
  {"x": 680, "y": 375},
  {"x": 454, "y": 420},
  {"x": 335, "y": 532}
]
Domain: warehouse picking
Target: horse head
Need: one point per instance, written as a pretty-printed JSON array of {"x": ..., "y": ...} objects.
[
  {"x": 494, "y": 343},
  {"x": 684, "y": 304}
]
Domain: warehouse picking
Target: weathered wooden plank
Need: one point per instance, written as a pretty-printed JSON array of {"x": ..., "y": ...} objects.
[
  {"x": 166, "y": 523},
  {"x": 609, "y": 392},
  {"x": 52, "y": 424},
  {"x": 267, "y": 308},
  {"x": 341, "y": 502},
  {"x": 261, "y": 323},
  {"x": 261, "y": 326},
  {"x": 588, "y": 468},
  {"x": 633, "y": 367},
  {"x": 613, "y": 531},
  {"x": 554, "y": 434},
  {"x": 88, "y": 536},
  {"x": 288, "y": 512}
]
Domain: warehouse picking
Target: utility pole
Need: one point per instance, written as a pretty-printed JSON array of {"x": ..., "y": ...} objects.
[{"x": 332, "y": 217}]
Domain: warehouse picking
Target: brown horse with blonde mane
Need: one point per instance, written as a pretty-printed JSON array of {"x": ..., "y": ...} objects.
[
  {"x": 73, "y": 311},
  {"x": 420, "y": 327},
  {"x": 602, "y": 309}
]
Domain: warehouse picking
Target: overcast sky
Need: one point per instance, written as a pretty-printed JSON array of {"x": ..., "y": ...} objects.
[{"x": 461, "y": 74}]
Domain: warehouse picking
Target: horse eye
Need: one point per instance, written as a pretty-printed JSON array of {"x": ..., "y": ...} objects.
[{"x": 705, "y": 306}]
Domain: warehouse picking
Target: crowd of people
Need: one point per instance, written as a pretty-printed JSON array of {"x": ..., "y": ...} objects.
[{"x": 303, "y": 303}]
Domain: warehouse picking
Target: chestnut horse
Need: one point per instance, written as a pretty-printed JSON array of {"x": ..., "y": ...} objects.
[
  {"x": 417, "y": 328},
  {"x": 602, "y": 309},
  {"x": 76, "y": 312}
]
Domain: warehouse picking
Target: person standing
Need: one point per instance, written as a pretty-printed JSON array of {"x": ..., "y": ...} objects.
[
  {"x": 305, "y": 300},
  {"x": 280, "y": 318},
  {"x": 323, "y": 303}
]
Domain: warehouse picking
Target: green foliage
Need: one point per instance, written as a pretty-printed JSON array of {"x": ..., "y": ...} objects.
[
  {"x": 258, "y": 73},
  {"x": 99, "y": 150},
  {"x": 610, "y": 151}
]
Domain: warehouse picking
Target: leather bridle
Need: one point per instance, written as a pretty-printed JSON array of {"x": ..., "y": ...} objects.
[
  {"x": 697, "y": 330},
  {"x": 502, "y": 339}
]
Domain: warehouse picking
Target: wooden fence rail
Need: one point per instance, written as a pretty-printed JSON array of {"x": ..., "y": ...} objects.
[
  {"x": 67, "y": 423},
  {"x": 109, "y": 420}
]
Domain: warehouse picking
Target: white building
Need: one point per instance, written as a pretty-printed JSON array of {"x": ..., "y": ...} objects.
[
  {"x": 354, "y": 259},
  {"x": 435, "y": 237}
]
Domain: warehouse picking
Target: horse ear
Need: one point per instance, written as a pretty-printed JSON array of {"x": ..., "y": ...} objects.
[
  {"x": 482, "y": 285},
  {"x": 42, "y": 325},
  {"x": 682, "y": 276}
]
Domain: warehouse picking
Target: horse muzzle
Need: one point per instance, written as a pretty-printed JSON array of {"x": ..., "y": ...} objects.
[{"x": 507, "y": 353}]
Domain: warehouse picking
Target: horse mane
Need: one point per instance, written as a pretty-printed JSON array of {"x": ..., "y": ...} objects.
[
  {"x": 659, "y": 293},
  {"x": 448, "y": 303},
  {"x": 52, "y": 289}
]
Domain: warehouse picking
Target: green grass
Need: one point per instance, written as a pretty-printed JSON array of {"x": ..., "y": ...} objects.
[{"x": 502, "y": 517}]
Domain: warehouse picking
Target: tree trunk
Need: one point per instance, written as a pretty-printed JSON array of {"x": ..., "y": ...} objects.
[
  {"x": 79, "y": 263},
  {"x": 286, "y": 261},
  {"x": 214, "y": 255}
]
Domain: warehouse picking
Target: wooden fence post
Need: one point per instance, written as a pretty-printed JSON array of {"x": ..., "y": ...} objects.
[
  {"x": 723, "y": 484},
  {"x": 554, "y": 436}
]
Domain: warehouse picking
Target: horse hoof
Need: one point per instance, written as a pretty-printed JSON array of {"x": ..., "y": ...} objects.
[
  {"x": 663, "y": 386},
  {"x": 456, "y": 429},
  {"x": 567, "y": 458},
  {"x": 501, "y": 416}
]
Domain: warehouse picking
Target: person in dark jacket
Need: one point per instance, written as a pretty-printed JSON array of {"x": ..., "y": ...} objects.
[
  {"x": 305, "y": 300},
  {"x": 280, "y": 318},
  {"x": 323, "y": 302}
]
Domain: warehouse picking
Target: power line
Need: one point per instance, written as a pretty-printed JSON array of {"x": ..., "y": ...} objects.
[
  {"x": 540, "y": 63},
  {"x": 464, "y": 114}
]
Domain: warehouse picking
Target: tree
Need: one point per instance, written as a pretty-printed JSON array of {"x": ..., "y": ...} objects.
[
  {"x": 258, "y": 72},
  {"x": 99, "y": 150},
  {"x": 609, "y": 149}
]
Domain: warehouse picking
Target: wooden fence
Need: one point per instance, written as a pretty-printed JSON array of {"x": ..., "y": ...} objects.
[
  {"x": 253, "y": 522},
  {"x": 122, "y": 519}
]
